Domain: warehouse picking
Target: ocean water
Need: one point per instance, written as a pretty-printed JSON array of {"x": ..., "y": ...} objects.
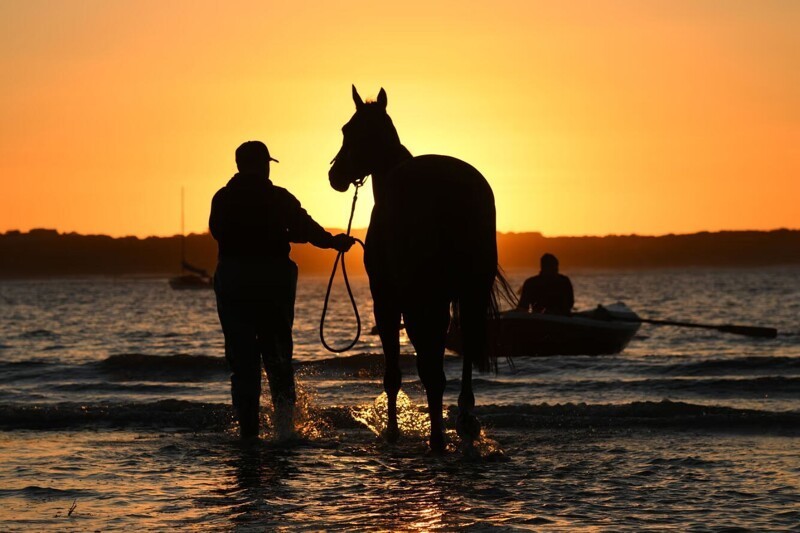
[{"x": 114, "y": 414}]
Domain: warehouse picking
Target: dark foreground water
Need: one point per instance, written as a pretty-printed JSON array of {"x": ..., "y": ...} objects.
[{"x": 114, "y": 405}]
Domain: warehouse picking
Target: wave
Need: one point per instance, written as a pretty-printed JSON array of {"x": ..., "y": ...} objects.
[
  {"x": 159, "y": 414},
  {"x": 665, "y": 413},
  {"x": 760, "y": 387},
  {"x": 186, "y": 368},
  {"x": 14, "y": 371},
  {"x": 177, "y": 367},
  {"x": 660, "y": 365},
  {"x": 38, "y": 334},
  {"x": 358, "y": 365},
  {"x": 120, "y": 367},
  {"x": 123, "y": 388},
  {"x": 35, "y": 492},
  {"x": 144, "y": 365},
  {"x": 216, "y": 417},
  {"x": 735, "y": 366},
  {"x": 31, "y": 363}
]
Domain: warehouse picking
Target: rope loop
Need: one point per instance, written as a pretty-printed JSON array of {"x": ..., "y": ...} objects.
[{"x": 340, "y": 258}]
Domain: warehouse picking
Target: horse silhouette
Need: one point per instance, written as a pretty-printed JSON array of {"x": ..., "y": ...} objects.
[{"x": 431, "y": 244}]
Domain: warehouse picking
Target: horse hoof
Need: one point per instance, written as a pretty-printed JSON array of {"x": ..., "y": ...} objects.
[
  {"x": 468, "y": 427},
  {"x": 435, "y": 453},
  {"x": 391, "y": 435},
  {"x": 470, "y": 452},
  {"x": 437, "y": 445}
]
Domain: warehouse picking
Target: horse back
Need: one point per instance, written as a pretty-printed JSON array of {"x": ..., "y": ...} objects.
[
  {"x": 439, "y": 188},
  {"x": 435, "y": 221}
]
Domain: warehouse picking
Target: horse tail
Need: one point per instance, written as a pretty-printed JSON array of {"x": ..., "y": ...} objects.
[
  {"x": 503, "y": 296},
  {"x": 502, "y": 293},
  {"x": 484, "y": 287}
]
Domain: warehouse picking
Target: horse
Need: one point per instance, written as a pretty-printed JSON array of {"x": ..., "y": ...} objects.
[{"x": 431, "y": 244}]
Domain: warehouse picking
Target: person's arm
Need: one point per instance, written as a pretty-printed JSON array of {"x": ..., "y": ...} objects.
[{"x": 303, "y": 228}]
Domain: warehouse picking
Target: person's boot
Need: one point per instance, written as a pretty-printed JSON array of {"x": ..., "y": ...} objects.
[
  {"x": 248, "y": 416},
  {"x": 283, "y": 421}
]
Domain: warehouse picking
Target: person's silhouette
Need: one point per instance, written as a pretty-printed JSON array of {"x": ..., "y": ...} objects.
[
  {"x": 549, "y": 292},
  {"x": 253, "y": 222}
]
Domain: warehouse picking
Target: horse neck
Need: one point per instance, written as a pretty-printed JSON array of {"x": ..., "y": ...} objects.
[{"x": 394, "y": 157}]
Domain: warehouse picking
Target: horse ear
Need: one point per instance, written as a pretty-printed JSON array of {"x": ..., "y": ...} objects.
[
  {"x": 382, "y": 98},
  {"x": 357, "y": 99}
]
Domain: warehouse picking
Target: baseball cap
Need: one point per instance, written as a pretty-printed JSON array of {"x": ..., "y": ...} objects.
[{"x": 253, "y": 152}]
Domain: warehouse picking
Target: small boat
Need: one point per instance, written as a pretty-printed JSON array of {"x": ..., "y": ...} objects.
[
  {"x": 191, "y": 277},
  {"x": 604, "y": 330},
  {"x": 191, "y": 281}
]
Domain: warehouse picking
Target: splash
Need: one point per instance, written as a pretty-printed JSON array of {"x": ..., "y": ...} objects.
[
  {"x": 309, "y": 424},
  {"x": 308, "y": 421},
  {"x": 488, "y": 449},
  {"x": 413, "y": 420}
]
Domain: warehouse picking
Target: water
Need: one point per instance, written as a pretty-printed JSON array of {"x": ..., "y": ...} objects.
[{"x": 114, "y": 399}]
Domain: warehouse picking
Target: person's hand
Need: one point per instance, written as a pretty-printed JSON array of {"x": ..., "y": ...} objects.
[{"x": 342, "y": 242}]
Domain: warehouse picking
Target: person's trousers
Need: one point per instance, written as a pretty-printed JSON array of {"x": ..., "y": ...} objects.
[{"x": 256, "y": 315}]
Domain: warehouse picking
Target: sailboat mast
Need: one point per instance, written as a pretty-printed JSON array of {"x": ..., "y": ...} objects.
[{"x": 183, "y": 238}]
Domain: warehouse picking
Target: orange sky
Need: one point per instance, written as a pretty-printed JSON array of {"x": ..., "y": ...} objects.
[{"x": 592, "y": 117}]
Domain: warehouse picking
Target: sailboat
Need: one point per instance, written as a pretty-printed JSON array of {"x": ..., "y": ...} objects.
[{"x": 191, "y": 277}]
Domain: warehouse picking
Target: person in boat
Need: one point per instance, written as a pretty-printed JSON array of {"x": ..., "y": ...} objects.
[
  {"x": 549, "y": 292},
  {"x": 253, "y": 222}
]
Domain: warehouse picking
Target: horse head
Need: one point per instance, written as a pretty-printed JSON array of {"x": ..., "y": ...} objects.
[{"x": 368, "y": 138}]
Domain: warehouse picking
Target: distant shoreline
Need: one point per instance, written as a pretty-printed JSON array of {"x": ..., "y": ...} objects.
[
  {"x": 361, "y": 275},
  {"x": 43, "y": 253}
]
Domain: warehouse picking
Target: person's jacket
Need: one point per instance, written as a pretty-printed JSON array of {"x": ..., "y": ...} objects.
[
  {"x": 253, "y": 219},
  {"x": 547, "y": 293}
]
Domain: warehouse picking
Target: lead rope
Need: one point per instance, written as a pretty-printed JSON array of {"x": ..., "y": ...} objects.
[{"x": 340, "y": 256}]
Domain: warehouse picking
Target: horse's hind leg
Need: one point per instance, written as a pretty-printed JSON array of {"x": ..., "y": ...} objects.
[
  {"x": 473, "y": 308},
  {"x": 467, "y": 425},
  {"x": 387, "y": 318},
  {"x": 426, "y": 325}
]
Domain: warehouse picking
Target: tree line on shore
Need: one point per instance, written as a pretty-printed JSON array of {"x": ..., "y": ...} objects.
[{"x": 45, "y": 253}]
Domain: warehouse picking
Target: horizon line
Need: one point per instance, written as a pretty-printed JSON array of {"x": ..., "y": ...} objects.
[{"x": 360, "y": 230}]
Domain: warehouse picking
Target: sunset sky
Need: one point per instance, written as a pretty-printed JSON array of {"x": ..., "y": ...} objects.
[{"x": 587, "y": 118}]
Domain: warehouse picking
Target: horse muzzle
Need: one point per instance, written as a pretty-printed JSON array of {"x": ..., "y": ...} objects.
[{"x": 338, "y": 180}]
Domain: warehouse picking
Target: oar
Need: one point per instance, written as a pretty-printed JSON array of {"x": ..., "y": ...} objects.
[{"x": 750, "y": 331}]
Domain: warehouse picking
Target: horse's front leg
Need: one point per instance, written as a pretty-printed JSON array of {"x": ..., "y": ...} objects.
[{"x": 387, "y": 319}]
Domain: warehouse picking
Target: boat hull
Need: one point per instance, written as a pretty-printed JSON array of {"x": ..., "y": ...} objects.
[
  {"x": 188, "y": 282},
  {"x": 520, "y": 334}
]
